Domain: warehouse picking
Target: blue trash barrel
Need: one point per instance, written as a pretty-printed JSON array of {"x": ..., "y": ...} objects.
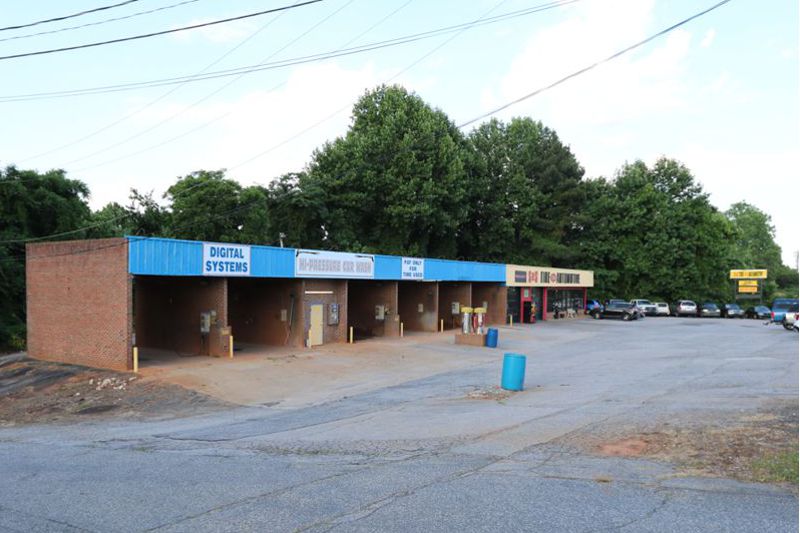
[
  {"x": 491, "y": 338},
  {"x": 513, "y": 372}
]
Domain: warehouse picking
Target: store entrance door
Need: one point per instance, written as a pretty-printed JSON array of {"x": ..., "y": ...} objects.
[{"x": 526, "y": 305}]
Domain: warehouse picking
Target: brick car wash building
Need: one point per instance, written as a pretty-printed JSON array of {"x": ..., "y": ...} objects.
[{"x": 91, "y": 302}]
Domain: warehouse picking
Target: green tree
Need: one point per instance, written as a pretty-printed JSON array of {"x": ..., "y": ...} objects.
[
  {"x": 207, "y": 206},
  {"x": 32, "y": 206},
  {"x": 143, "y": 216},
  {"x": 754, "y": 243},
  {"x": 655, "y": 234},
  {"x": 394, "y": 183},
  {"x": 526, "y": 193}
]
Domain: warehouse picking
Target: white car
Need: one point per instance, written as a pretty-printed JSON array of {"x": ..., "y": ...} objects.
[
  {"x": 790, "y": 319},
  {"x": 647, "y": 307},
  {"x": 662, "y": 309}
]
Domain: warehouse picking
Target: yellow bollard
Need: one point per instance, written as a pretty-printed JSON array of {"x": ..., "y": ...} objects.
[
  {"x": 441, "y": 325},
  {"x": 136, "y": 359},
  {"x": 511, "y": 320},
  {"x": 351, "y": 334},
  {"x": 230, "y": 346},
  {"x": 401, "y": 329}
]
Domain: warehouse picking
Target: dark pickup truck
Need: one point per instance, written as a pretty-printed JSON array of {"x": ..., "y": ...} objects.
[{"x": 616, "y": 309}]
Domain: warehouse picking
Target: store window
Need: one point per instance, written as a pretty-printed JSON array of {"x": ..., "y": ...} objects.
[{"x": 564, "y": 299}]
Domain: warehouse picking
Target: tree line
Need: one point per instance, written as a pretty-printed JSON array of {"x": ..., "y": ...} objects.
[{"x": 405, "y": 180}]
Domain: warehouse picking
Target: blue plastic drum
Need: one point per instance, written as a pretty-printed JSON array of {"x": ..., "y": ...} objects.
[
  {"x": 513, "y": 372},
  {"x": 491, "y": 338}
]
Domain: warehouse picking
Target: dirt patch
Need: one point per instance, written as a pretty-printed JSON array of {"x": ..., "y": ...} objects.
[
  {"x": 494, "y": 393},
  {"x": 40, "y": 392},
  {"x": 759, "y": 447}
]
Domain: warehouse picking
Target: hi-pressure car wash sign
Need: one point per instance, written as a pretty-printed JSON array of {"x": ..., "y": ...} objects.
[{"x": 226, "y": 259}]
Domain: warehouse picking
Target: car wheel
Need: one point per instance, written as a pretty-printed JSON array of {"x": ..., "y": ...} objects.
[
  {"x": 596, "y": 316},
  {"x": 626, "y": 317},
  {"x": 787, "y": 326}
]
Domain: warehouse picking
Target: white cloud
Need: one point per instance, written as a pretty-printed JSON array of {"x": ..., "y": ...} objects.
[
  {"x": 709, "y": 38},
  {"x": 218, "y": 33},
  {"x": 642, "y": 83}
]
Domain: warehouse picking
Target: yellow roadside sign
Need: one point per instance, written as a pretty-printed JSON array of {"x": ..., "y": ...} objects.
[
  {"x": 748, "y": 290},
  {"x": 748, "y": 274},
  {"x": 748, "y": 283}
]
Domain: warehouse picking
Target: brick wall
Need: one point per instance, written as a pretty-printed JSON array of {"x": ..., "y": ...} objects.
[
  {"x": 79, "y": 302},
  {"x": 167, "y": 313},
  {"x": 255, "y": 309},
  {"x": 314, "y": 293},
  {"x": 410, "y": 294},
  {"x": 496, "y": 295},
  {"x": 460, "y": 292},
  {"x": 362, "y": 297}
]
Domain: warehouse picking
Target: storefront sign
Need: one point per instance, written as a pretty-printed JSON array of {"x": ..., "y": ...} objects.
[
  {"x": 748, "y": 274},
  {"x": 528, "y": 276},
  {"x": 413, "y": 269},
  {"x": 226, "y": 259},
  {"x": 318, "y": 264}
]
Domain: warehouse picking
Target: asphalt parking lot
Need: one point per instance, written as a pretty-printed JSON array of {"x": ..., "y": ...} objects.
[{"x": 446, "y": 451}]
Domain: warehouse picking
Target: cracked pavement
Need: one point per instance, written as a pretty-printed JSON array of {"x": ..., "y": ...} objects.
[{"x": 423, "y": 456}]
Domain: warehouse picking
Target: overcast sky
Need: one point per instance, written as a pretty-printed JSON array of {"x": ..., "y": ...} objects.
[{"x": 720, "y": 94}]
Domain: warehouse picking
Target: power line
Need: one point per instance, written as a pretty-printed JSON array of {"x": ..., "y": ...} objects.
[
  {"x": 65, "y": 17},
  {"x": 459, "y": 28},
  {"x": 331, "y": 54},
  {"x": 407, "y": 68},
  {"x": 209, "y": 95},
  {"x": 593, "y": 65},
  {"x": 154, "y": 34},
  {"x": 160, "y": 97},
  {"x": 99, "y": 22}
]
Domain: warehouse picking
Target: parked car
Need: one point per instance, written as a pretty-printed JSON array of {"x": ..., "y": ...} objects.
[
  {"x": 662, "y": 309},
  {"x": 758, "y": 311},
  {"x": 790, "y": 318},
  {"x": 593, "y": 304},
  {"x": 617, "y": 309},
  {"x": 648, "y": 307},
  {"x": 732, "y": 311},
  {"x": 685, "y": 308},
  {"x": 710, "y": 310},
  {"x": 780, "y": 306}
]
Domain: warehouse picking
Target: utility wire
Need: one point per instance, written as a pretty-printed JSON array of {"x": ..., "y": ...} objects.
[
  {"x": 159, "y": 98},
  {"x": 593, "y": 65},
  {"x": 287, "y": 62},
  {"x": 228, "y": 113},
  {"x": 461, "y": 28},
  {"x": 207, "y": 96},
  {"x": 99, "y": 22},
  {"x": 154, "y": 34},
  {"x": 340, "y": 110},
  {"x": 65, "y": 17},
  {"x": 211, "y": 216}
]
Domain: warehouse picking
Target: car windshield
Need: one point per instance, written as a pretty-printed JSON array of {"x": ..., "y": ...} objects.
[
  {"x": 792, "y": 308},
  {"x": 687, "y": 302},
  {"x": 709, "y": 306},
  {"x": 618, "y": 305},
  {"x": 783, "y": 305},
  {"x": 762, "y": 309},
  {"x": 732, "y": 306}
]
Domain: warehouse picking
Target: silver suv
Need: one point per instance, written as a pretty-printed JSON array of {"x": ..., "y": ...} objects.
[
  {"x": 647, "y": 307},
  {"x": 685, "y": 308}
]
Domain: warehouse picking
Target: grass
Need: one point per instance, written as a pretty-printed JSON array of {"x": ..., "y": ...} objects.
[{"x": 776, "y": 467}]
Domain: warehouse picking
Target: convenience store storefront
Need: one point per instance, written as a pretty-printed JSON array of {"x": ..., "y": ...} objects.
[{"x": 539, "y": 293}]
